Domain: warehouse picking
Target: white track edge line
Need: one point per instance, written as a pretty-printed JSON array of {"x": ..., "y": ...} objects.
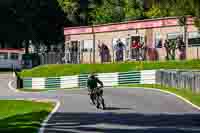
[
  {"x": 180, "y": 97},
  {"x": 11, "y": 87},
  {"x": 164, "y": 91},
  {"x": 44, "y": 123}
]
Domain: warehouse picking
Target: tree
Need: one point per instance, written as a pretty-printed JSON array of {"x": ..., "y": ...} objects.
[
  {"x": 116, "y": 11},
  {"x": 133, "y": 9},
  {"x": 102, "y": 14},
  {"x": 180, "y": 8},
  {"x": 106, "y": 12},
  {"x": 157, "y": 12},
  {"x": 71, "y": 9},
  {"x": 37, "y": 20}
]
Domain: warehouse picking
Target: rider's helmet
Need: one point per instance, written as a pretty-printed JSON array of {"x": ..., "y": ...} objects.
[{"x": 92, "y": 75}]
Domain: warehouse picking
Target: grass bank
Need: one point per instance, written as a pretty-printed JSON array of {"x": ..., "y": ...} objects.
[
  {"x": 22, "y": 116},
  {"x": 187, "y": 94},
  {"x": 68, "y": 69}
]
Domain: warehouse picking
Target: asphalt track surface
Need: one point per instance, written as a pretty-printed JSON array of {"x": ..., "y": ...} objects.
[{"x": 128, "y": 110}]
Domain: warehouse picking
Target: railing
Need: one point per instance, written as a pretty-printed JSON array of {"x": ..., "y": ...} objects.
[{"x": 179, "y": 79}]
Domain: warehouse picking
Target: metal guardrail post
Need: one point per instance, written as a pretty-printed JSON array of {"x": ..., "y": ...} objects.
[{"x": 19, "y": 80}]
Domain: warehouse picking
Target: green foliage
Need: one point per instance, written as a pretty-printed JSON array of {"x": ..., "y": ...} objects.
[
  {"x": 31, "y": 20},
  {"x": 102, "y": 14},
  {"x": 106, "y": 11},
  {"x": 164, "y": 8},
  {"x": 116, "y": 11},
  {"x": 26, "y": 20},
  {"x": 64, "y": 70},
  {"x": 157, "y": 12},
  {"x": 154, "y": 12},
  {"x": 71, "y": 9},
  {"x": 133, "y": 10}
]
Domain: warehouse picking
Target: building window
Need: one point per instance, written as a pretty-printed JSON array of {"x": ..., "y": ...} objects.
[
  {"x": 3, "y": 56},
  {"x": 158, "y": 40},
  {"x": 194, "y": 39},
  {"x": 87, "y": 45},
  {"x": 174, "y": 36},
  {"x": 14, "y": 56}
]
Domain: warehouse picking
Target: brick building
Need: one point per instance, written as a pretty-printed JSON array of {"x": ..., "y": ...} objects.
[{"x": 152, "y": 33}]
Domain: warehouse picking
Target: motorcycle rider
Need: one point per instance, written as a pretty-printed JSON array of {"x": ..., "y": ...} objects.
[{"x": 92, "y": 85}]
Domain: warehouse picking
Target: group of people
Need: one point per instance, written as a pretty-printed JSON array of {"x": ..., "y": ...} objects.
[
  {"x": 137, "y": 49},
  {"x": 140, "y": 52},
  {"x": 104, "y": 53},
  {"x": 119, "y": 51},
  {"x": 172, "y": 46}
]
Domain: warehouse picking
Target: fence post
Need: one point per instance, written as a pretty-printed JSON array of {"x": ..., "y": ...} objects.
[{"x": 19, "y": 80}]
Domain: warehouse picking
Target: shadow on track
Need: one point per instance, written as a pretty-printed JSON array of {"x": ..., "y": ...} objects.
[
  {"x": 108, "y": 122},
  {"x": 116, "y": 108}
]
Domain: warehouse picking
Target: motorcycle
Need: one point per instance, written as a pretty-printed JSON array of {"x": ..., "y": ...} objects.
[{"x": 97, "y": 96}]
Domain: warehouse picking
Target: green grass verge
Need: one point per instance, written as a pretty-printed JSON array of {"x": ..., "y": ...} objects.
[
  {"x": 22, "y": 116},
  {"x": 186, "y": 93},
  {"x": 64, "y": 70}
]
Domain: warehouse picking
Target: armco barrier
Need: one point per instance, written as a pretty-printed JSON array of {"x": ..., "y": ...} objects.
[
  {"x": 129, "y": 77},
  {"x": 69, "y": 82},
  {"x": 109, "y": 79},
  {"x": 179, "y": 79}
]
